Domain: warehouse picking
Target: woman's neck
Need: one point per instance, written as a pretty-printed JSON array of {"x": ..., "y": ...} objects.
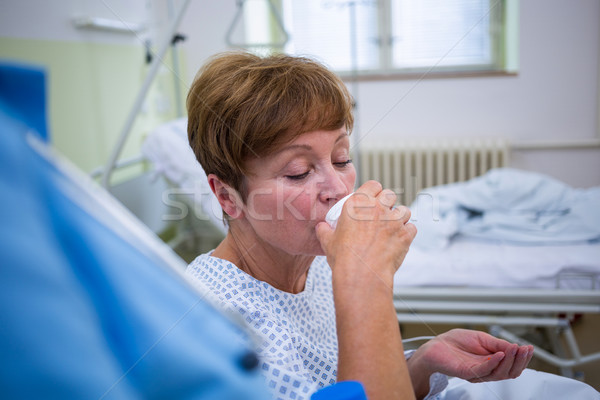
[{"x": 281, "y": 270}]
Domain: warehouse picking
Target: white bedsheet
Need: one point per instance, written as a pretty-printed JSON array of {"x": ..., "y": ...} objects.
[
  {"x": 515, "y": 206},
  {"x": 168, "y": 149},
  {"x": 480, "y": 263},
  {"x": 530, "y": 385}
]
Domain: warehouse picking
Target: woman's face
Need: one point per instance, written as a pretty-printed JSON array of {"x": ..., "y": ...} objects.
[{"x": 290, "y": 191}]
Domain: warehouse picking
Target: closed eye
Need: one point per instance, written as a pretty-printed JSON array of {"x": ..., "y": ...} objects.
[
  {"x": 343, "y": 163},
  {"x": 298, "y": 177}
]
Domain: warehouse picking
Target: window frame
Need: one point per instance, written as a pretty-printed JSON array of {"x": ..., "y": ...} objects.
[{"x": 503, "y": 49}]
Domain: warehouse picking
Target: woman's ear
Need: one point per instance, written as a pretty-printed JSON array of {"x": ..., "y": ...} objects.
[{"x": 229, "y": 199}]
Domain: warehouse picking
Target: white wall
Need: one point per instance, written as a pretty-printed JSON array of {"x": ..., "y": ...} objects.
[
  {"x": 205, "y": 24},
  {"x": 93, "y": 76},
  {"x": 40, "y": 19},
  {"x": 554, "y": 97}
]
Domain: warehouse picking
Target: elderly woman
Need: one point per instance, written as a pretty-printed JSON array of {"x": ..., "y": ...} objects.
[{"x": 272, "y": 135}]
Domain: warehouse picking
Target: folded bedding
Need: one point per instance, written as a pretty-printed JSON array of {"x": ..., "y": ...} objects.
[{"x": 507, "y": 205}]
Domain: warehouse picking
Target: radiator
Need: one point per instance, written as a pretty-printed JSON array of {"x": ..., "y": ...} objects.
[{"x": 410, "y": 166}]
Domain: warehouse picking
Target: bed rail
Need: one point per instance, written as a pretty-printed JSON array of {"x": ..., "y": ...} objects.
[{"x": 502, "y": 309}]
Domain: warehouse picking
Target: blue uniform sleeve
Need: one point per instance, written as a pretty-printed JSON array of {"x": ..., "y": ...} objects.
[{"x": 87, "y": 309}]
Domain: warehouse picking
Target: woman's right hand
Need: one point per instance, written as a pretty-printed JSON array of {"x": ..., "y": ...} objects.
[
  {"x": 364, "y": 251},
  {"x": 370, "y": 232}
]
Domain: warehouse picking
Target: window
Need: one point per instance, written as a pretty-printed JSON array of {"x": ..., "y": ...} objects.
[{"x": 381, "y": 37}]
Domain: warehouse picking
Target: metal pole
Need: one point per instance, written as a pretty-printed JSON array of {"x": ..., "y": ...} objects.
[
  {"x": 154, "y": 66},
  {"x": 545, "y": 355},
  {"x": 354, "y": 61},
  {"x": 175, "y": 60}
]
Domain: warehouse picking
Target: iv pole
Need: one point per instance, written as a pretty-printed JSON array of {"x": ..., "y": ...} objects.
[
  {"x": 139, "y": 101},
  {"x": 354, "y": 66}
]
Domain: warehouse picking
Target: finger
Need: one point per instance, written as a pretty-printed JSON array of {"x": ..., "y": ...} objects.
[
  {"x": 411, "y": 231},
  {"x": 402, "y": 213},
  {"x": 530, "y": 354},
  {"x": 324, "y": 234},
  {"x": 371, "y": 188},
  {"x": 521, "y": 360},
  {"x": 485, "y": 369},
  {"x": 503, "y": 370},
  {"x": 387, "y": 198},
  {"x": 493, "y": 344}
]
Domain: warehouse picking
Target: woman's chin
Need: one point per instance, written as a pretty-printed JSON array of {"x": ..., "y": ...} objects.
[
  {"x": 319, "y": 253},
  {"x": 312, "y": 249},
  {"x": 318, "y": 250}
]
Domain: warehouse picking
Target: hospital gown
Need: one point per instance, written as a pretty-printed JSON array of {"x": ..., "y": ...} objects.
[
  {"x": 295, "y": 334},
  {"x": 295, "y": 337}
]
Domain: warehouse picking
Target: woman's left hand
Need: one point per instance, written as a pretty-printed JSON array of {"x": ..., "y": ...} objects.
[{"x": 471, "y": 355}]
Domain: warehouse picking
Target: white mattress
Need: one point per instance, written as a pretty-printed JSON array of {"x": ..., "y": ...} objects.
[{"x": 469, "y": 263}]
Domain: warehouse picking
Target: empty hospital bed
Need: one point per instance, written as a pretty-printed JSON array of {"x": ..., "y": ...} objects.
[
  {"x": 508, "y": 250},
  {"x": 507, "y": 288}
]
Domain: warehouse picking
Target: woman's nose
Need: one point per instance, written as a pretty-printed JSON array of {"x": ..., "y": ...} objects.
[{"x": 333, "y": 187}]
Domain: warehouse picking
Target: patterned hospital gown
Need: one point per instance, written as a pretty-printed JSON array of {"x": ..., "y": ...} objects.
[{"x": 295, "y": 334}]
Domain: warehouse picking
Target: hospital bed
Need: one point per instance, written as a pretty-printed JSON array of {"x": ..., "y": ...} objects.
[
  {"x": 509, "y": 288},
  {"x": 508, "y": 250}
]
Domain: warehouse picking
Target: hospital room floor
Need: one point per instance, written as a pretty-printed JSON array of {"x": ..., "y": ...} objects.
[{"x": 585, "y": 329}]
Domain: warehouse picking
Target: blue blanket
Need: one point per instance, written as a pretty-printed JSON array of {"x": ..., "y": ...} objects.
[{"x": 507, "y": 205}]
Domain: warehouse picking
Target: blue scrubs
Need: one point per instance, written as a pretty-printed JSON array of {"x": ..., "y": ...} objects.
[{"x": 85, "y": 314}]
